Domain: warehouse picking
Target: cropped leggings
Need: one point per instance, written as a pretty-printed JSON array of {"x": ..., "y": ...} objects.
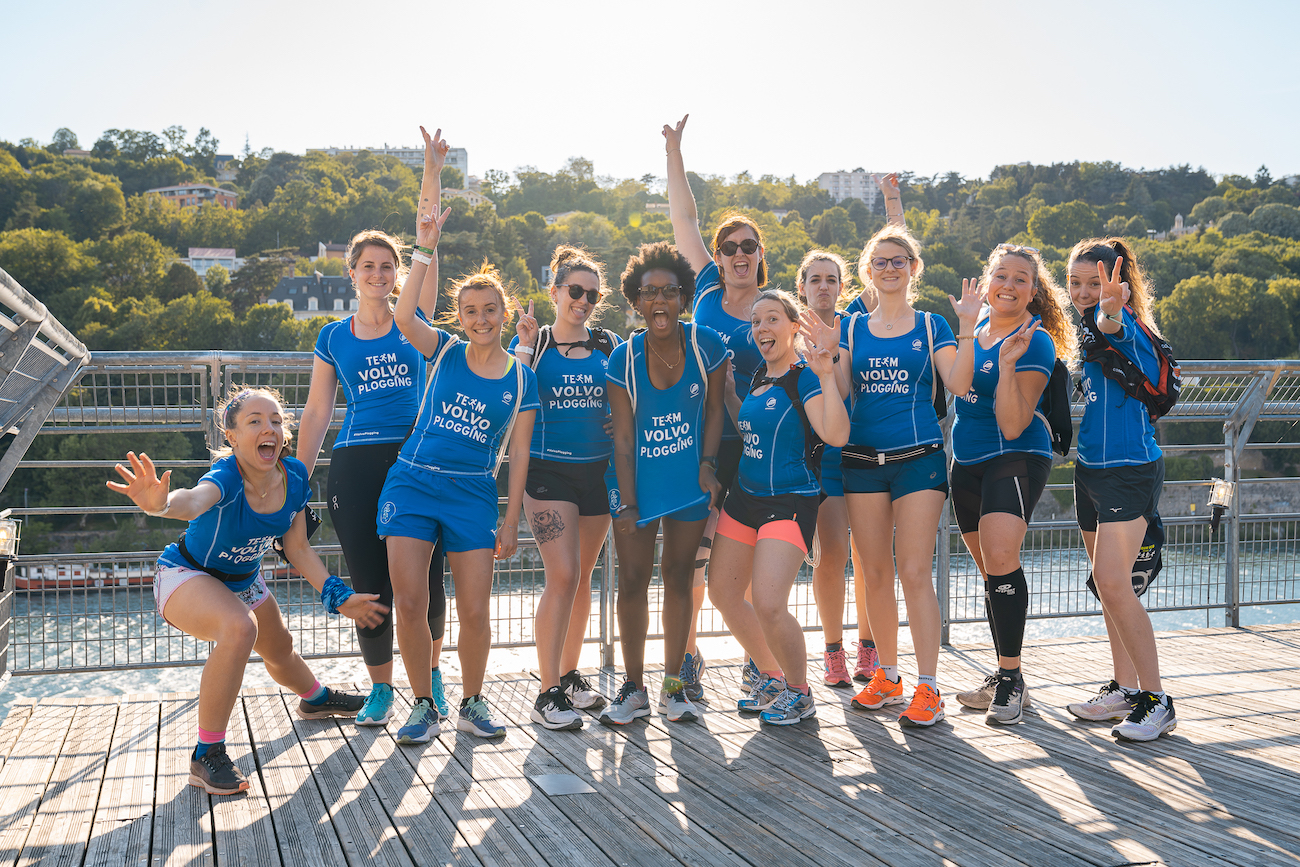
[{"x": 356, "y": 478}]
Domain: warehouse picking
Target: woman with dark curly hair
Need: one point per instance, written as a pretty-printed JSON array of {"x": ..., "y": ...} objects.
[{"x": 666, "y": 393}]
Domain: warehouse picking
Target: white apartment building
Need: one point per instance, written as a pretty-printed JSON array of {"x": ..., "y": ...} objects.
[
  {"x": 457, "y": 158},
  {"x": 856, "y": 184}
]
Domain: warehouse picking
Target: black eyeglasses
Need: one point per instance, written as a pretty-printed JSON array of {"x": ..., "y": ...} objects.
[
  {"x": 1016, "y": 248},
  {"x": 670, "y": 292},
  {"x": 576, "y": 292},
  {"x": 729, "y": 248},
  {"x": 899, "y": 262}
]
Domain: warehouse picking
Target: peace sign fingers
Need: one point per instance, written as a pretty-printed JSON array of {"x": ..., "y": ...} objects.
[
  {"x": 673, "y": 135},
  {"x": 1114, "y": 291}
]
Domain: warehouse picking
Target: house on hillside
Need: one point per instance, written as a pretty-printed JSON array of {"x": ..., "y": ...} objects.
[
  {"x": 315, "y": 296},
  {"x": 192, "y": 195},
  {"x": 203, "y": 258},
  {"x": 331, "y": 251},
  {"x": 221, "y": 163}
]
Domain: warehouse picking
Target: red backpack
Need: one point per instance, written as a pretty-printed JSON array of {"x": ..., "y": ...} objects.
[{"x": 1160, "y": 395}]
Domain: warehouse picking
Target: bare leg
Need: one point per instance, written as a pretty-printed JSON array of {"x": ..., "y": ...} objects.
[
  {"x": 636, "y": 555},
  {"x": 776, "y": 564},
  {"x": 828, "y": 576},
  {"x": 275, "y": 646},
  {"x": 1116, "y": 549},
  {"x": 731, "y": 571},
  {"x": 917, "y": 515},
  {"x": 408, "y": 565},
  {"x": 872, "y": 517},
  {"x": 471, "y": 574},
  {"x": 677, "y": 566},
  {"x": 556, "y": 528},
  {"x": 591, "y": 532},
  {"x": 207, "y": 609}
]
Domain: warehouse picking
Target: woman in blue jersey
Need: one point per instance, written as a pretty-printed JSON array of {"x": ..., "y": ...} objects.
[
  {"x": 665, "y": 391},
  {"x": 209, "y": 583},
  {"x": 726, "y": 282},
  {"x": 565, "y": 498},
  {"x": 1117, "y": 483},
  {"x": 478, "y": 400},
  {"x": 382, "y": 377},
  {"x": 895, "y": 474},
  {"x": 767, "y": 523},
  {"x": 1002, "y": 452}
]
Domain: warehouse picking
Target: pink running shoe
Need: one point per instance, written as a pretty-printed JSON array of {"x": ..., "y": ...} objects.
[
  {"x": 868, "y": 662},
  {"x": 837, "y": 668}
]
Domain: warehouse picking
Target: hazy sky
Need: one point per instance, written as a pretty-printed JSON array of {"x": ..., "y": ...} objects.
[{"x": 797, "y": 87}]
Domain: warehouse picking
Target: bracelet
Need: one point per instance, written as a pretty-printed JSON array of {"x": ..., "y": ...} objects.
[
  {"x": 623, "y": 508},
  {"x": 164, "y": 510},
  {"x": 675, "y": 151},
  {"x": 965, "y": 336},
  {"x": 425, "y": 250},
  {"x": 334, "y": 594},
  {"x": 711, "y": 460},
  {"x": 421, "y": 258},
  {"x": 526, "y": 350},
  {"x": 835, "y": 359},
  {"x": 1119, "y": 319}
]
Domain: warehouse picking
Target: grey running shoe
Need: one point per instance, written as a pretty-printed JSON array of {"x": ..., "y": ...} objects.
[
  {"x": 216, "y": 774},
  {"x": 762, "y": 695},
  {"x": 335, "y": 704},
  {"x": 692, "y": 669},
  {"x": 1009, "y": 700},
  {"x": 1110, "y": 702},
  {"x": 1150, "y": 718},
  {"x": 789, "y": 708},
  {"x": 553, "y": 711},
  {"x": 677, "y": 706},
  {"x": 630, "y": 703},
  {"x": 981, "y": 696},
  {"x": 580, "y": 692},
  {"x": 750, "y": 677}
]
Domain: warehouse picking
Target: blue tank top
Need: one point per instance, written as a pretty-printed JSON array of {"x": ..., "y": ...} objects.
[
  {"x": 975, "y": 433},
  {"x": 462, "y": 419},
  {"x": 571, "y": 424},
  {"x": 230, "y": 537},
  {"x": 893, "y": 381},
  {"x": 382, "y": 382},
  {"x": 1116, "y": 429},
  {"x": 736, "y": 335},
  {"x": 669, "y": 422},
  {"x": 773, "y": 460}
]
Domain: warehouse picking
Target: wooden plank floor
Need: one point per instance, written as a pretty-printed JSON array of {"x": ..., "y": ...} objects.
[{"x": 103, "y": 780}]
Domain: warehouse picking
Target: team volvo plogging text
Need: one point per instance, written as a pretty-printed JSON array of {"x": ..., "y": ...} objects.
[{"x": 774, "y": 426}]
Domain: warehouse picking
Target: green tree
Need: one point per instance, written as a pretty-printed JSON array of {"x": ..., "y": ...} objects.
[
  {"x": 132, "y": 264},
  {"x": 1250, "y": 261},
  {"x": 180, "y": 281},
  {"x": 193, "y": 323},
  {"x": 45, "y": 263},
  {"x": 64, "y": 139},
  {"x": 1232, "y": 224},
  {"x": 216, "y": 279},
  {"x": 268, "y": 327},
  {"x": 259, "y": 275},
  {"x": 1063, "y": 225},
  {"x": 1226, "y": 316},
  {"x": 452, "y": 178},
  {"x": 1275, "y": 219}
]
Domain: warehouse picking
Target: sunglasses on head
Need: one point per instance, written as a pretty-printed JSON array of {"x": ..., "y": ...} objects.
[
  {"x": 670, "y": 292},
  {"x": 576, "y": 292},
  {"x": 1016, "y": 248},
  {"x": 729, "y": 248},
  {"x": 898, "y": 262}
]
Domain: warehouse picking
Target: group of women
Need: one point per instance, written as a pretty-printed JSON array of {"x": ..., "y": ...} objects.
[{"x": 767, "y": 430}]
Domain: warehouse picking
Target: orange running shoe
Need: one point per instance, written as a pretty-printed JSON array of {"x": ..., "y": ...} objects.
[
  {"x": 926, "y": 708},
  {"x": 879, "y": 692}
]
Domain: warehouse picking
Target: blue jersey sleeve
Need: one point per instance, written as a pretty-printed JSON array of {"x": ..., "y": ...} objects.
[
  {"x": 618, "y": 364},
  {"x": 323, "y": 351},
  {"x": 707, "y": 279},
  {"x": 943, "y": 335},
  {"x": 809, "y": 384},
  {"x": 226, "y": 476},
  {"x": 531, "y": 400},
  {"x": 298, "y": 489},
  {"x": 514, "y": 341},
  {"x": 1134, "y": 344}
]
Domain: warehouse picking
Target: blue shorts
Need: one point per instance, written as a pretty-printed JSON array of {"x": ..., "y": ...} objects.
[
  {"x": 928, "y": 473},
  {"x": 832, "y": 474},
  {"x": 422, "y": 504}
]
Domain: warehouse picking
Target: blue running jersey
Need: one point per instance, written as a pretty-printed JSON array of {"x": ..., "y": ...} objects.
[
  {"x": 463, "y": 417},
  {"x": 975, "y": 433},
  {"x": 856, "y": 306},
  {"x": 230, "y": 537},
  {"x": 382, "y": 381},
  {"x": 736, "y": 335},
  {"x": 571, "y": 424},
  {"x": 1116, "y": 429},
  {"x": 773, "y": 460}
]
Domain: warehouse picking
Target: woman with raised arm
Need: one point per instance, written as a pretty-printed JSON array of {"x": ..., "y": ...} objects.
[
  {"x": 895, "y": 474},
  {"x": 383, "y": 378},
  {"x": 769, "y": 518},
  {"x": 477, "y": 401},
  {"x": 1117, "y": 483},
  {"x": 209, "y": 583},
  {"x": 565, "y": 498},
  {"x": 1002, "y": 452},
  {"x": 727, "y": 281},
  {"x": 666, "y": 392}
]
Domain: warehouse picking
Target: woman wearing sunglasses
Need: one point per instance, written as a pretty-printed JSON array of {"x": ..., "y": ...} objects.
[
  {"x": 1002, "y": 451},
  {"x": 565, "y": 497},
  {"x": 727, "y": 282},
  {"x": 666, "y": 388}
]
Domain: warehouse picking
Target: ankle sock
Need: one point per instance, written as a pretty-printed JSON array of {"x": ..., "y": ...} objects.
[
  {"x": 800, "y": 688},
  {"x": 929, "y": 680},
  {"x": 1130, "y": 692},
  {"x": 464, "y": 702},
  {"x": 835, "y": 647},
  {"x": 208, "y": 739},
  {"x": 316, "y": 695},
  {"x": 868, "y": 643},
  {"x": 775, "y": 675},
  {"x": 891, "y": 671},
  {"x": 1009, "y": 672}
]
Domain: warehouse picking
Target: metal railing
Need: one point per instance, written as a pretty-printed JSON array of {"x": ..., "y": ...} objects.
[{"x": 108, "y": 620}]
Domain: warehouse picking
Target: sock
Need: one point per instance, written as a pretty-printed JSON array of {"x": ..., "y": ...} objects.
[
  {"x": 835, "y": 647},
  {"x": 1160, "y": 695},
  {"x": 1009, "y": 672},
  {"x": 868, "y": 643},
  {"x": 891, "y": 671},
  {"x": 208, "y": 739},
  {"x": 1008, "y": 605},
  {"x": 316, "y": 695},
  {"x": 775, "y": 675},
  {"x": 928, "y": 680},
  {"x": 1129, "y": 692},
  {"x": 464, "y": 702},
  {"x": 800, "y": 687}
]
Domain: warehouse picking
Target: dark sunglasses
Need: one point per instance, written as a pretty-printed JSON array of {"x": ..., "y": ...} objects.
[
  {"x": 576, "y": 292},
  {"x": 899, "y": 262},
  {"x": 729, "y": 248},
  {"x": 670, "y": 292}
]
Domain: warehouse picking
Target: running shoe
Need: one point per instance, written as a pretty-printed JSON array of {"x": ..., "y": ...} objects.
[
  {"x": 879, "y": 692},
  {"x": 1150, "y": 718},
  {"x": 421, "y": 725},
  {"x": 580, "y": 692},
  {"x": 1110, "y": 702},
  {"x": 335, "y": 704},
  {"x": 836, "y": 664},
  {"x": 378, "y": 709},
  {"x": 675, "y": 704},
  {"x": 1009, "y": 700},
  {"x": 692, "y": 669},
  {"x": 926, "y": 708},
  {"x": 750, "y": 677},
  {"x": 216, "y": 774},
  {"x": 440, "y": 695},
  {"x": 762, "y": 695},
  {"x": 630, "y": 703},
  {"x": 868, "y": 662},
  {"x": 476, "y": 718},
  {"x": 553, "y": 711},
  {"x": 790, "y": 707},
  {"x": 981, "y": 696}
]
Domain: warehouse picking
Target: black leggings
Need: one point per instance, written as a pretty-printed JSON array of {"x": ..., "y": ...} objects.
[{"x": 356, "y": 479}]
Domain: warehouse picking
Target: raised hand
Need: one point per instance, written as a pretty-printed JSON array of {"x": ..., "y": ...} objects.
[
  {"x": 820, "y": 361},
  {"x": 968, "y": 308},
  {"x": 673, "y": 135},
  {"x": 428, "y": 227},
  {"x": 1016, "y": 345},
  {"x": 143, "y": 486},
  {"x": 526, "y": 327},
  {"x": 435, "y": 150},
  {"x": 888, "y": 185},
  {"x": 822, "y": 336},
  {"x": 364, "y": 608},
  {"x": 1114, "y": 292}
]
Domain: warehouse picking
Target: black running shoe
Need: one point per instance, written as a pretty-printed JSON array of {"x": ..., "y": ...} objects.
[
  {"x": 216, "y": 774},
  {"x": 335, "y": 704}
]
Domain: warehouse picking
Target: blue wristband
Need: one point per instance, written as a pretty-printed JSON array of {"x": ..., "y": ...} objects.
[{"x": 334, "y": 594}]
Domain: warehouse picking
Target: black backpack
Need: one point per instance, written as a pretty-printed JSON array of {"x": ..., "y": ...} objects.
[
  {"x": 599, "y": 340},
  {"x": 1160, "y": 396},
  {"x": 813, "y": 446},
  {"x": 1054, "y": 409}
]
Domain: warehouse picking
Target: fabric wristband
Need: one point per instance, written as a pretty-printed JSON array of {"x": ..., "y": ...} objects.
[{"x": 334, "y": 594}]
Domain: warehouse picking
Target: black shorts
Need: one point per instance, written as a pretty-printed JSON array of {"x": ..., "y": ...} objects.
[
  {"x": 1010, "y": 483},
  {"x": 1117, "y": 494},
  {"x": 728, "y": 465},
  {"x": 581, "y": 484},
  {"x": 754, "y": 512}
]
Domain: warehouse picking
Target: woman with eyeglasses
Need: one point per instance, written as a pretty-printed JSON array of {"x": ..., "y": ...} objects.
[
  {"x": 1002, "y": 451},
  {"x": 895, "y": 478},
  {"x": 565, "y": 497},
  {"x": 666, "y": 388},
  {"x": 727, "y": 282}
]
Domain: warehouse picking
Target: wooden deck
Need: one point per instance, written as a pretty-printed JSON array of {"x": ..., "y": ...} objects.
[{"x": 102, "y": 781}]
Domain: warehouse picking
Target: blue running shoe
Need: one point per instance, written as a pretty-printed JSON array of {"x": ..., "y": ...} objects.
[
  {"x": 692, "y": 668},
  {"x": 476, "y": 718},
  {"x": 440, "y": 696},
  {"x": 762, "y": 695},
  {"x": 750, "y": 677},
  {"x": 421, "y": 725},
  {"x": 378, "y": 709},
  {"x": 789, "y": 708}
]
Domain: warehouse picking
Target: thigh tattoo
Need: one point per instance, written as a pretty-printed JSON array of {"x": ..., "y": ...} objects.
[{"x": 547, "y": 525}]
